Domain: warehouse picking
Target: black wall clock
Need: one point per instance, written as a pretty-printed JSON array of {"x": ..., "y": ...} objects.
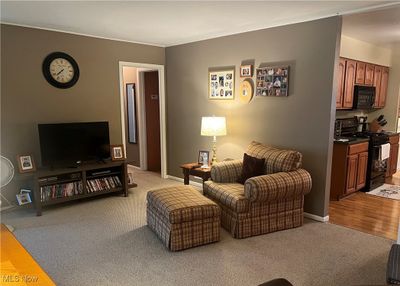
[{"x": 60, "y": 70}]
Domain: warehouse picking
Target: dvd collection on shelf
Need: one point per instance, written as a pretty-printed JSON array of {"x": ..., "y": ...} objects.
[
  {"x": 57, "y": 191},
  {"x": 102, "y": 184}
]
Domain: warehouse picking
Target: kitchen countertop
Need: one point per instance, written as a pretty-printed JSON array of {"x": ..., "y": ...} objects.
[{"x": 353, "y": 140}]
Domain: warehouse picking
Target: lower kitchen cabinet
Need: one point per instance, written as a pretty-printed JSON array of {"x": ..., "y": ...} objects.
[
  {"x": 394, "y": 153},
  {"x": 349, "y": 169}
]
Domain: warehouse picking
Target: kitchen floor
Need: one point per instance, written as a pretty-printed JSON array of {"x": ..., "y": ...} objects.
[{"x": 371, "y": 214}]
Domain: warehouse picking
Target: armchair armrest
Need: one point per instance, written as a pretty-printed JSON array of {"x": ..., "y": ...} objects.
[
  {"x": 278, "y": 186},
  {"x": 226, "y": 171}
]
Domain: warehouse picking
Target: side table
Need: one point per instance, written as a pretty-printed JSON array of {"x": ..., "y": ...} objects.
[{"x": 194, "y": 170}]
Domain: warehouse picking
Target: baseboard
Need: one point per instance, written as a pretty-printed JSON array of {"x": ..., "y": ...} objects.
[
  {"x": 316, "y": 217},
  {"x": 195, "y": 184}
]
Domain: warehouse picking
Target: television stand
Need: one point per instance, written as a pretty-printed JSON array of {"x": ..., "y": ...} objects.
[{"x": 59, "y": 185}]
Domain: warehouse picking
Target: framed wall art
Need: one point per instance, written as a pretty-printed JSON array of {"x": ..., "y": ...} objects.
[
  {"x": 221, "y": 84},
  {"x": 272, "y": 81},
  {"x": 131, "y": 105},
  {"x": 246, "y": 71}
]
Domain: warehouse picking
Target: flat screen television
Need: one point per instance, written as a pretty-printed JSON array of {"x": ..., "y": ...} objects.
[{"x": 69, "y": 144}]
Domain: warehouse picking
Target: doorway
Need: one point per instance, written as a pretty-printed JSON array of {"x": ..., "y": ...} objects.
[{"x": 145, "y": 86}]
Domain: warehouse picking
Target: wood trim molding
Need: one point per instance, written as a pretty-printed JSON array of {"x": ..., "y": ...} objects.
[
  {"x": 163, "y": 127},
  {"x": 316, "y": 217}
]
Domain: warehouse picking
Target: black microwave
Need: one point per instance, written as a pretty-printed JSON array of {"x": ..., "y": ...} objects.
[{"x": 364, "y": 97}]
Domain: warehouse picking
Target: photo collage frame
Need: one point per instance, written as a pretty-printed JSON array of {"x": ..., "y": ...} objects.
[
  {"x": 272, "y": 81},
  {"x": 221, "y": 84}
]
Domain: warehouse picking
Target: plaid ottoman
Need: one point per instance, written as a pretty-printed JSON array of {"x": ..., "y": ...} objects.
[{"x": 183, "y": 218}]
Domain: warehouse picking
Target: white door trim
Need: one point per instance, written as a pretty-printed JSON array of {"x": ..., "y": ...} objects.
[{"x": 163, "y": 136}]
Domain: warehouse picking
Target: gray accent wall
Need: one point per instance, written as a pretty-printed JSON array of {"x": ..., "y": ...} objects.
[
  {"x": 27, "y": 99},
  {"x": 301, "y": 121}
]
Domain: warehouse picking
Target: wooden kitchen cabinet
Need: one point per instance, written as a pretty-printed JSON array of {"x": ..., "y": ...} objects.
[
  {"x": 394, "y": 153},
  {"x": 369, "y": 74},
  {"x": 360, "y": 73},
  {"x": 340, "y": 88},
  {"x": 349, "y": 169},
  {"x": 383, "y": 87},
  {"x": 350, "y": 77},
  {"x": 351, "y": 73}
]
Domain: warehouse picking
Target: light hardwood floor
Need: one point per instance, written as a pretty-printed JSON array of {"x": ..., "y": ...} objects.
[{"x": 366, "y": 213}]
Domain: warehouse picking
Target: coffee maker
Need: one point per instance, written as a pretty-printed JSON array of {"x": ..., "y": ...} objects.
[{"x": 362, "y": 123}]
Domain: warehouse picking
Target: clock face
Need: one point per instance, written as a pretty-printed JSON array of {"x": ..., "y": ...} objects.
[{"x": 60, "y": 70}]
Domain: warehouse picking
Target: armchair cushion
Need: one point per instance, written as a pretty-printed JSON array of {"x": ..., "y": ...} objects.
[
  {"x": 276, "y": 160},
  {"x": 252, "y": 167},
  {"x": 279, "y": 186},
  {"x": 230, "y": 195},
  {"x": 226, "y": 171}
]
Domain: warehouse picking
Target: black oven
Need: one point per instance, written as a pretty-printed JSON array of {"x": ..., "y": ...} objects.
[
  {"x": 376, "y": 170},
  {"x": 364, "y": 97}
]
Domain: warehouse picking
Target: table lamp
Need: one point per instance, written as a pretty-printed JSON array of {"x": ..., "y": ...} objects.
[{"x": 213, "y": 126}]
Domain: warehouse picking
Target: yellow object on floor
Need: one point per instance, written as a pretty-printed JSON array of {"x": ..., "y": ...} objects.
[{"x": 17, "y": 266}]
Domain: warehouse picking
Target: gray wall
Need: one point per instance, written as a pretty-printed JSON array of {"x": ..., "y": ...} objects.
[
  {"x": 302, "y": 121},
  {"x": 27, "y": 99}
]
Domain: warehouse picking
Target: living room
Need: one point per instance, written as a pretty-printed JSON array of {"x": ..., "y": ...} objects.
[{"x": 69, "y": 241}]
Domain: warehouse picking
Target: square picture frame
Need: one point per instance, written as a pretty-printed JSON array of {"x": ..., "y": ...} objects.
[
  {"x": 246, "y": 71},
  {"x": 26, "y": 163},
  {"x": 221, "y": 85},
  {"x": 24, "y": 197},
  {"x": 117, "y": 152},
  {"x": 204, "y": 158}
]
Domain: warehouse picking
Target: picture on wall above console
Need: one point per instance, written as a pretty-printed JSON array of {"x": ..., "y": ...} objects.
[
  {"x": 246, "y": 71},
  {"x": 221, "y": 84},
  {"x": 272, "y": 81},
  {"x": 117, "y": 152},
  {"x": 26, "y": 163}
]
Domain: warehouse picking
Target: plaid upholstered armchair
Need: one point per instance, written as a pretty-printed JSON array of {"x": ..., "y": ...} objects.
[{"x": 267, "y": 203}]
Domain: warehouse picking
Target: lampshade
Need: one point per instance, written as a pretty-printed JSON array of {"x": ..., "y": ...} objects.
[{"x": 213, "y": 126}]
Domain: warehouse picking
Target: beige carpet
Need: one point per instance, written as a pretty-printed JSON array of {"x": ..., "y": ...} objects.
[{"x": 106, "y": 242}]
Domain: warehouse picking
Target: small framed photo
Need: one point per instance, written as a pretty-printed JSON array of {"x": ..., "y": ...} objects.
[
  {"x": 246, "y": 71},
  {"x": 23, "y": 197},
  {"x": 204, "y": 158},
  {"x": 117, "y": 152},
  {"x": 26, "y": 163}
]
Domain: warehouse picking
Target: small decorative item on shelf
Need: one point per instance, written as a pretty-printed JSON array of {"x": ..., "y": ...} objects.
[
  {"x": 272, "y": 81},
  {"x": 221, "y": 84},
  {"x": 24, "y": 197},
  {"x": 246, "y": 71},
  {"x": 26, "y": 163},
  {"x": 204, "y": 158},
  {"x": 117, "y": 152},
  {"x": 246, "y": 91}
]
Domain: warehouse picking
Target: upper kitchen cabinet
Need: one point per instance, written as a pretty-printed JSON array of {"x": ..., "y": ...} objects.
[
  {"x": 381, "y": 94},
  {"x": 347, "y": 77},
  {"x": 360, "y": 74},
  {"x": 369, "y": 74},
  {"x": 351, "y": 73},
  {"x": 340, "y": 88}
]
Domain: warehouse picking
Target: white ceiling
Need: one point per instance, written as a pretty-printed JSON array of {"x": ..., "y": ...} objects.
[
  {"x": 381, "y": 27},
  {"x": 170, "y": 23}
]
